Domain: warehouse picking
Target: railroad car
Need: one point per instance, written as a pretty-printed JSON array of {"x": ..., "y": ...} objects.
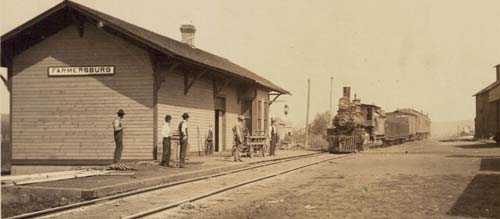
[
  {"x": 406, "y": 125},
  {"x": 399, "y": 128}
]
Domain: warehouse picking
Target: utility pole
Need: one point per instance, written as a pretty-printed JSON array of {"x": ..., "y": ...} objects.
[
  {"x": 306, "y": 145},
  {"x": 331, "y": 95}
]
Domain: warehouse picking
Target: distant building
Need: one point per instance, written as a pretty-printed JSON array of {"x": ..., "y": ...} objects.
[
  {"x": 284, "y": 130},
  {"x": 72, "y": 67},
  {"x": 487, "y": 121}
]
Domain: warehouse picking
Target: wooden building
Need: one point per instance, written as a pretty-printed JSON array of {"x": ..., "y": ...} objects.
[
  {"x": 71, "y": 68},
  {"x": 487, "y": 121}
]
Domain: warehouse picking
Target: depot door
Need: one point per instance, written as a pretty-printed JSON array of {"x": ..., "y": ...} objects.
[{"x": 220, "y": 124}]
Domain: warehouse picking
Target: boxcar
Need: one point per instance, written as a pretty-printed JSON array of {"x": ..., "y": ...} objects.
[
  {"x": 399, "y": 128},
  {"x": 406, "y": 125}
]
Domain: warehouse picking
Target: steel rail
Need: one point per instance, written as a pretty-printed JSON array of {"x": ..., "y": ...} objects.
[
  {"x": 227, "y": 188},
  {"x": 60, "y": 209}
]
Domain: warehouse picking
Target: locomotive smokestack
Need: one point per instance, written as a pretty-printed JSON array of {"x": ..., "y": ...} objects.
[{"x": 347, "y": 93}]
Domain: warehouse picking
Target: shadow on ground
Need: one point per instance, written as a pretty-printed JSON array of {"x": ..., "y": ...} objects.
[
  {"x": 479, "y": 146},
  {"x": 490, "y": 164},
  {"x": 480, "y": 198},
  {"x": 471, "y": 156}
]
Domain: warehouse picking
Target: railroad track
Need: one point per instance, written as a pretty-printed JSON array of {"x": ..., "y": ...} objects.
[
  {"x": 166, "y": 207},
  {"x": 54, "y": 212}
]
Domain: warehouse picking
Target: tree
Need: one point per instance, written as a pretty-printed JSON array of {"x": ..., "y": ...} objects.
[{"x": 320, "y": 123}]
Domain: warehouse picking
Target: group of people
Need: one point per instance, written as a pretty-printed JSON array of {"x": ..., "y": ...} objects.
[
  {"x": 166, "y": 132},
  {"x": 167, "y": 140},
  {"x": 238, "y": 132}
]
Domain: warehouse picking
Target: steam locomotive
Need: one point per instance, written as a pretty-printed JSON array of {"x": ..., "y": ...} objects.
[{"x": 358, "y": 126}]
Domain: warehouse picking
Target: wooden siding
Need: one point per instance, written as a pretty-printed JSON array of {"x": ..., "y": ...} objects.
[
  {"x": 487, "y": 121},
  {"x": 260, "y": 111},
  {"x": 494, "y": 94},
  {"x": 199, "y": 103},
  {"x": 233, "y": 110},
  {"x": 71, "y": 117},
  {"x": 481, "y": 129},
  {"x": 5, "y": 144}
]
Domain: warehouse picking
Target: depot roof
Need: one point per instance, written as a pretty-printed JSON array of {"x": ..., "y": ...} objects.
[{"x": 157, "y": 42}]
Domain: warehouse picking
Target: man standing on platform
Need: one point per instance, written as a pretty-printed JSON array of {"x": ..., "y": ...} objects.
[
  {"x": 167, "y": 133},
  {"x": 118, "y": 134},
  {"x": 238, "y": 139},
  {"x": 274, "y": 137},
  {"x": 209, "y": 150},
  {"x": 183, "y": 138}
]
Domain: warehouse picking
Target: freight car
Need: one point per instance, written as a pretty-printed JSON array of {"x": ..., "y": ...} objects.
[
  {"x": 422, "y": 123},
  {"x": 406, "y": 125},
  {"x": 399, "y": 128}
]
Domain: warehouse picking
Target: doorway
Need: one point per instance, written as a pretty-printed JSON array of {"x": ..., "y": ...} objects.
[
  {"x": 220, "y": 124},
  {"x": 219, "y": 134}
]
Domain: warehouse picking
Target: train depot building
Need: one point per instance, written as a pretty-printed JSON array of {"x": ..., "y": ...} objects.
[
  {"x": 487, "y": 121},
  {"x": 71, "y": 68}
]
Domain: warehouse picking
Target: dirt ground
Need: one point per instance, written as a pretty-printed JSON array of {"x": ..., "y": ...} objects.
[{"x": 414, "y": 180}]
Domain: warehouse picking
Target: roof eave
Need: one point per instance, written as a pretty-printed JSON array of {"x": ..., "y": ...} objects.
[
  {"x": 487, "y": 88},
  {"x": 148, "y": 43},
  {"x": 29, "y": 23},
  {"x": 168, "y": 52}
]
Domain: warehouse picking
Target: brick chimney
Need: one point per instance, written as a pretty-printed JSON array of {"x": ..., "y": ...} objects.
[
  {"x": 498, "y": 72},
  {"x": 187, "y": 31}
]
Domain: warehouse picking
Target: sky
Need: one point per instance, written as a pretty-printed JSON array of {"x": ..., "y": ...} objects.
[{"x": 425, "y": 54}]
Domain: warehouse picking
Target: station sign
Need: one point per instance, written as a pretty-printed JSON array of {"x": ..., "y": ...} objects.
[{"x": 81, "y": 70}]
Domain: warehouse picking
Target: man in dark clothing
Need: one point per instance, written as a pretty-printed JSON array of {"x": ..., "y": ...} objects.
[
  {"x": 166, "y": 132},
  {"x": 118, "y": 134},
  {"x": 209, "y": 150},
  {"x": 238, "y": 139},
  {"x": 274, "y": 138},
  {"x": 183, "y": 139}
]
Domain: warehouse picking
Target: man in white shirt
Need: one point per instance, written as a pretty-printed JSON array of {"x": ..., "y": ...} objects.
[
  {"x": 183, "y": 139},
  {"x": 118, "y": 135},
  {"x": 166, "y": 132}
]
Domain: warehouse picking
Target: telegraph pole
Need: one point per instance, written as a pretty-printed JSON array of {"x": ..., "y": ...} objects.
[
  {"x": 306, "y": 145},
  {"x": 331, "y": 95}
]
